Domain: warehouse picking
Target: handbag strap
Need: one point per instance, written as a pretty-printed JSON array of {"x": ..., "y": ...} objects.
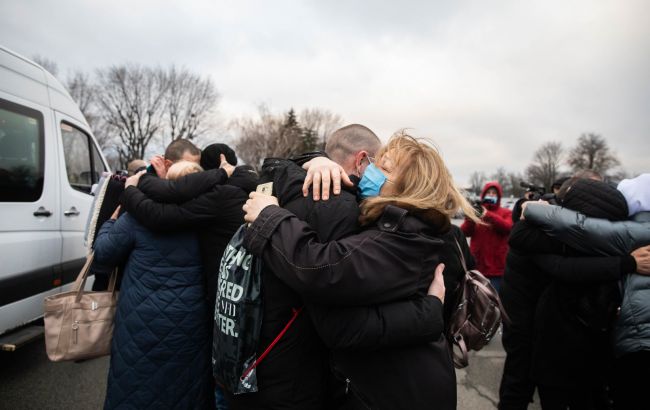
[
  {"x": 275, "y": 341},
  {"x": 80, "y": 282},
  {"x": 460, "y": 253},
  {"x": 112, "y": 281}
]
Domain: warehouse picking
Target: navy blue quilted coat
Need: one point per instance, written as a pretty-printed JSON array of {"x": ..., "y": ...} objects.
[{"x": 160, "y": 358}]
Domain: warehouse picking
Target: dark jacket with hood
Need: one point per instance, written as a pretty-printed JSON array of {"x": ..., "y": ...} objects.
[
  {"x": 392, "y": 260},
  {"x": 489, "y": 242},
  {"x": 632, "y": 330},
  {"x": 295, "y": 374}
]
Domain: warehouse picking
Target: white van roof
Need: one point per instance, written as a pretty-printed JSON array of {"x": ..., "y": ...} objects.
[{"x": 26, "y": 79}]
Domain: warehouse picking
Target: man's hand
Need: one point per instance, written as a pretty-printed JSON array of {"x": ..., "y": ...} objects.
[
  {"x": 437, "y": 287},
  {"x": 158, "y": 163},
  {"x": 133, "y": 180},
  {"x": 642, "y": 258},
  {"x": 225, "y": 165},
  {"x": 116, "y": 213},
  {"x": 256, "y": 204},
  {"x": 324, "y": 171}
]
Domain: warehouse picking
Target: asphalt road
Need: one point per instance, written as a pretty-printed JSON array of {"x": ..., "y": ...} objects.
[{"x": 28, "y": 380}]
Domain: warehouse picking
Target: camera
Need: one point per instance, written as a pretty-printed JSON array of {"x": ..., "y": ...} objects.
[{"x": 537, "y": 191}]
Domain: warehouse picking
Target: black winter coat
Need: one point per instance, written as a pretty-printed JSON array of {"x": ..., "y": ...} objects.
[
  {"x": 208, "y": 202},
  {"x": 389, "y": 262},
  {"x": 295, "y": 374},
  {"x": 542, "y": 289}
]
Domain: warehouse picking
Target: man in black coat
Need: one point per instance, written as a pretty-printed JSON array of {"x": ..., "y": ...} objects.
[{"x": 342, "y": 328}]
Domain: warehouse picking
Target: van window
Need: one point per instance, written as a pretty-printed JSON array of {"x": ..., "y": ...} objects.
[
  {"x": 98, "y": 164},
  {"x": 83, "y": 164},
  {"x": 21, "y": 153}
]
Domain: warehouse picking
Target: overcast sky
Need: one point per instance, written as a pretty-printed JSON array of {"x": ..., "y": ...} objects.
[{"x": 487, "y": 81}]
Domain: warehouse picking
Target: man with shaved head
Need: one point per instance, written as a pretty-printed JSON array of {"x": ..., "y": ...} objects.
[{"x": 352, "y": 148}]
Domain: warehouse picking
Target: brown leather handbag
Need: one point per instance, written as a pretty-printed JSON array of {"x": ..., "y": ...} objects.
[
  {"x": 477, "y": 317},
  {"x": 79, "y": 324}
]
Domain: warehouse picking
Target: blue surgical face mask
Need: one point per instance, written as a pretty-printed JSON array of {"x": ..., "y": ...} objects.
[
  {"x": 371, "y": 182},
  {"x": 492, "y": 200}
]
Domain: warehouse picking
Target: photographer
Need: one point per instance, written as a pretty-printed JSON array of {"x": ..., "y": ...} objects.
[
  {"x": 489, "y": 243},
  {"x": 535, "y": 193}
]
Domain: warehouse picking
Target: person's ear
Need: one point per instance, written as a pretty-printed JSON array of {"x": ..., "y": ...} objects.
[
  {"x": 361, "y": 162},
  {"x": 168, "y": 164}
]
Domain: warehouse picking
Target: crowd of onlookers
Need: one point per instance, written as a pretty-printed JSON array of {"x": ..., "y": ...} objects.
[{"x": 360, "y": 276}]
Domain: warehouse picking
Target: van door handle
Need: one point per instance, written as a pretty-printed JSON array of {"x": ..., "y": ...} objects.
[
  {"x": 71, "y": 212},
  {"x": 42, "y": 212}
]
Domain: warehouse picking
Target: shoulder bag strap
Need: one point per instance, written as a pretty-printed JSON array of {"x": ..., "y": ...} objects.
[{"x": 270, "y": 347}]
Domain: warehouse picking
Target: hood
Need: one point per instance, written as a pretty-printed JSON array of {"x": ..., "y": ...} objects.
[
  {"x": 493, "y": 184},
  {"x": 595, "y": 199},
  {"x": 637, "y": 193},
  {"x": 287, "y": 177},
  {"x": 245, "y": 178}
]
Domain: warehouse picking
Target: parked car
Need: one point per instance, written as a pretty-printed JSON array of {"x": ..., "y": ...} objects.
[{"x": 49, "y": 160}]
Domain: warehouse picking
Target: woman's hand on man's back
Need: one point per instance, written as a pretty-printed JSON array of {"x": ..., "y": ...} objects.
[{"x": 437, "y": 287}]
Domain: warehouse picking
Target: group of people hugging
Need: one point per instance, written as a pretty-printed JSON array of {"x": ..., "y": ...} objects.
[
  {"x": 577, "y": 290},
  {"x": 358, "y": 237}
]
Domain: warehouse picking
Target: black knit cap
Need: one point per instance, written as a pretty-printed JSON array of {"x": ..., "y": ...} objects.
[
  {"x": 596, "y": 199},
  {"x": 210, "y": 156}
]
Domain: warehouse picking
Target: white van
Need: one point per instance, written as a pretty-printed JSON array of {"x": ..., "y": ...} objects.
[{"x": 49, "y": 161}]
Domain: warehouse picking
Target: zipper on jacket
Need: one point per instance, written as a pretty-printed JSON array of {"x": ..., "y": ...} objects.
[{"x": 349, "y": 389}]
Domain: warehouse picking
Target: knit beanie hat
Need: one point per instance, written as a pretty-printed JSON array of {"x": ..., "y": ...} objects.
[
  {"x": 596, "y": 199},
  {"x": 637, "y": 193},
  {"x": 210, "y": 156}
]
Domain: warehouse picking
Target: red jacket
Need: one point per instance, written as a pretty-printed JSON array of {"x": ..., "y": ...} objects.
[{"x": 489, "y": 243}]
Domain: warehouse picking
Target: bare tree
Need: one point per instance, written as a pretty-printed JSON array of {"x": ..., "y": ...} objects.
[
  {"x": 82, "y": 92},
  {"x": 501, "y": 176},
  {"x": 320, "y": 123},
  {"x": 131, "y": 100},
  {"x": 190, "y": 102},
  {"x": 515, "y": 180},
  {"x": 592, "y": 152},
  {"x": 545, "y": 168},
  {"x": 47, "y": 64},
  {"x": 476, "y": 181},
  {"x": 260, "y": 137},
  {"x": 281, "y": 136}
]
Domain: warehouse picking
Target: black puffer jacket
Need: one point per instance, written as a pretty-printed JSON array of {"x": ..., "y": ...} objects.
[
  {"x": 295, "y": 374},
  {"x": 390, "y": 261}
]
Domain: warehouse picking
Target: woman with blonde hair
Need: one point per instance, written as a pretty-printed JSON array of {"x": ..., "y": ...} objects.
[{"x": 409, "y": 200}]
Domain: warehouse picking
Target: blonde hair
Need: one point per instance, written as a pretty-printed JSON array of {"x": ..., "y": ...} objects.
[
  {"x": 423, "y": 182},
  {"x": 182, "y": 168}
]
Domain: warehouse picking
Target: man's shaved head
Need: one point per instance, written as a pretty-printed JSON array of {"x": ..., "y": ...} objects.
[{"x": 344, "y": 143}]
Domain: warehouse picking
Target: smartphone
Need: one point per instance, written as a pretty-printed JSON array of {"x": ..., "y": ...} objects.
[{"x": 266, "y": 189}]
